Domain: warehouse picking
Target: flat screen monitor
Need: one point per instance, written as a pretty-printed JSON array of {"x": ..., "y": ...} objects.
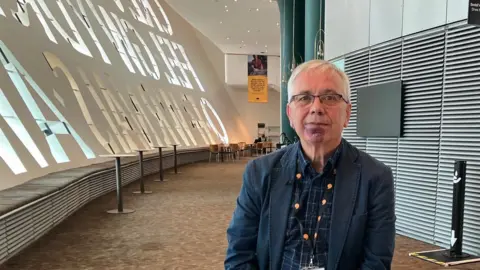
[{"x": 380, "y": 110}]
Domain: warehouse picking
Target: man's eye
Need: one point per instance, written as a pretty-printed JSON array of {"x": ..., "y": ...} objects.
[{"x": 304, "y": 98}]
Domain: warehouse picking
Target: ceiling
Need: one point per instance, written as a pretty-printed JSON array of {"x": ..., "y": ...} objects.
[{"x": 235, "y": 26}]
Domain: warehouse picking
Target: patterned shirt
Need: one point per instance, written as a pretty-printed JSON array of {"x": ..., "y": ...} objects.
[{"x": 297, "y": 250}]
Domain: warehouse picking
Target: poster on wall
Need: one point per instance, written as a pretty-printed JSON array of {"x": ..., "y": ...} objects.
[
  {"x": 257, "y": 78},
  {"x": 474, "y": 12}
]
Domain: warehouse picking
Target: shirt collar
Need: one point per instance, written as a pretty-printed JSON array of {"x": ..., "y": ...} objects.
[{"x": 306, "y": 165}]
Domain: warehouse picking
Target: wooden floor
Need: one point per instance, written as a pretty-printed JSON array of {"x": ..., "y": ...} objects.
[{"x": 181, "y": 225}]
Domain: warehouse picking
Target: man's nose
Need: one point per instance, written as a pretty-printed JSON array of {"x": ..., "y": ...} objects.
[{"x": 317, "y": 106}]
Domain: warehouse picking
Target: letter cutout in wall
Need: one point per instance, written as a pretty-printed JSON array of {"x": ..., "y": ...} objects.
[
  {"x": 8, "y": 154},
  {"x": 158, "y": 114},
  {"x": 22, "y": 16},
  {"x": 56, "y": 63},
  {"x": 167, "y": 27},
  {"x": 174, "y": 61},
  {"x": 178, "y": 126},
  {"x": 123, "y": 36},
  {"x": 147, "y": 16},
  {"x": 186, "y": 126},
  {"x": 6, "y": 151},
  {"x": 118, "y": 114},
  {"x": 76, "y": 41},
  {"x": 129, "y": 112},
  {"x": 189, "y": 66},
  {"x": 2, "y": 13},
  {"x": 202, "y": 125},
  {"x": 152, "y": 71},
  {"x": 145, "y": 123},
  {"x": 205, "y": 104},
  {"x": 82, "y": 17},
  {"x": 105, "y": 113},
  {"x": 172, "y": 77},
  {"x": 50, "y": 128},
  {"x": 119, "y": 5},
  {"x": 115, "y": 36}
]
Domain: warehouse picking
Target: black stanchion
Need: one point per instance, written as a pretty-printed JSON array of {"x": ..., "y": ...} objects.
[
  {"x": 175, "y": 159},
  {"x": 456, "y": 240},
  {"x": 142, "y": 182},
  {"x": 160, "y": 160},
  {"x": 454, "y": 255}
]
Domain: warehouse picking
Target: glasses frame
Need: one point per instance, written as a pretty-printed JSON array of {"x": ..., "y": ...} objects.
[{"x": 319, "y": 98}]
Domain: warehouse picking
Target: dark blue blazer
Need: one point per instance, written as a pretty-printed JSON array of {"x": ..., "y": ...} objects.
[{"x": 362, "y": 234}]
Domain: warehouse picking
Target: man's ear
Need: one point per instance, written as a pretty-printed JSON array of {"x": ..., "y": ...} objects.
[
  {"x": 348, "y": 114},
  {"x": 289, "y": 113}
]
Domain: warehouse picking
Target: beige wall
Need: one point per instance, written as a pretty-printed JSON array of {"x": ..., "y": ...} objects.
[
  {"x": 75, "y": 121},
  {"x": 253, "y": 113}
]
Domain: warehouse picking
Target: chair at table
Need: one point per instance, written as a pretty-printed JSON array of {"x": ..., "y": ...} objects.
[
  {"x": 259, "y": 147},
  {"x": 234, "y": 151},
  {"x": 214, "y": 149},
  {"x": 242, "y": 146}
]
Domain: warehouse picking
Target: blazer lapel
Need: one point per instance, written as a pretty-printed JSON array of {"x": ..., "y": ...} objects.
[
  {"x": 345, "y": 194},
  {"x": 280, "y": 199}
]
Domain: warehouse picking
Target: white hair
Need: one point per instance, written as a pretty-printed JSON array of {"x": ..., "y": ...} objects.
[{"x": 321, "y": 65}]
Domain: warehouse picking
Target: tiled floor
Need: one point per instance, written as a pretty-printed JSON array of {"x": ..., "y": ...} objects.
[{"x": 180, "y": 226}]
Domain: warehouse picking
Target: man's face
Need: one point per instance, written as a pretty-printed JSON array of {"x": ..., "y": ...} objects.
[{"x": 319, "y": 122}]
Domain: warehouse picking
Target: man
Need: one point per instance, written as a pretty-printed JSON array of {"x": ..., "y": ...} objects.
[{"x": 320, "y": 203}]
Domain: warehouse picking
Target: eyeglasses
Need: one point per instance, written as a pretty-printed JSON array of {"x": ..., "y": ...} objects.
[{"x": 308, "y": 99}]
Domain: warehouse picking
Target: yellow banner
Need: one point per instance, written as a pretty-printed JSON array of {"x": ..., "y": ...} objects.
[{"x": 258, "y": 89}]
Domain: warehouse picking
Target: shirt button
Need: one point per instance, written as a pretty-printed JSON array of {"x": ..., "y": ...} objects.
[
  {"x": 319, "y": 218},
  {"x": 297, "y": 206},
  {"x": 329, "y": 186},
  {"x": 324, "y": 202},
  {"x": 298, "y": 176},
  {"x": 305, "y": 236},
  {"x": 315, "y": 236}
]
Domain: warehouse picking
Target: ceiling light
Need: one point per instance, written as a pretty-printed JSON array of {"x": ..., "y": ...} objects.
[
  {"x": 221, "y": 22},
  {"x": 266, "y": 46},
  {"x": 226, "y": 6},
  {"x": 258, "y": 9},
  {"x": 228, "y": 37},
  {"x": 278, "y": 24},
  {"x": 226, "y": 10},
  {"x": 248, "y": 31},
  {"x": 256, "y": 42}
]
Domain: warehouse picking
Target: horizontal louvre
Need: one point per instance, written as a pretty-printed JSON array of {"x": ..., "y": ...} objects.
[
  {"x": 460, "y": 137},
  {"x": 417, "y": 169},
  {"x": 385, "y": 149},
  {"x": 356, "y": 67}
]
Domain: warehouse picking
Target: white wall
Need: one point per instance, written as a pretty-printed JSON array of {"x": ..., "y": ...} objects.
[
  {"x": 355, "y": 24},
  {"x": 92, "y": 96},
  {"x": 253, "y": 113}
]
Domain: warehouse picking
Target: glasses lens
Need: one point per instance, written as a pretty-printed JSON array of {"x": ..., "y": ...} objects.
[
  {"x": 303, "y": 99},
  {"x": 330, "y": 99}
]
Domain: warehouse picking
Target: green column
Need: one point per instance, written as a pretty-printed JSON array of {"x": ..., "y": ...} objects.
[
  {"x": 299, "y": 32},
  {"x": 314, "y": 21},
  {"x": 286, "y": 60}
]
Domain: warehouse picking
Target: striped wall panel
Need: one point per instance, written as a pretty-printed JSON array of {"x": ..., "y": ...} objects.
[{"x": 356, "y": 66}]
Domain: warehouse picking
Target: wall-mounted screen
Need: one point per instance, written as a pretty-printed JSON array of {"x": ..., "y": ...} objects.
[{"x": 380, "y": 110}]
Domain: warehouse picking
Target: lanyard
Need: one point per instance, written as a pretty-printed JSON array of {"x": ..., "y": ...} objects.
[{"x": 323, "y": 204}]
